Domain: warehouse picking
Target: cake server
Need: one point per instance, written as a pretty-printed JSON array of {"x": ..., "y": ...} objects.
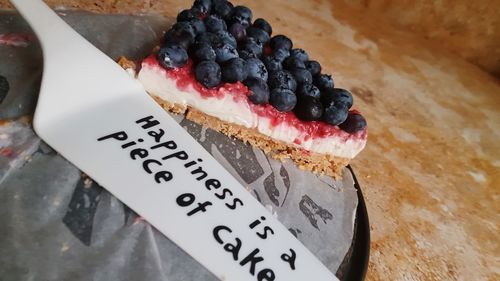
[{"x": 99, "y": 118}]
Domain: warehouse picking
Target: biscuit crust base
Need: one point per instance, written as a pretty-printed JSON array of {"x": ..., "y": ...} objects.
[{"x": 306, "y": 160}]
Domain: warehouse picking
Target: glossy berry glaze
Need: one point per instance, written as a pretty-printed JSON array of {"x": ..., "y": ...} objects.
[{"x": 184, "y": 77}]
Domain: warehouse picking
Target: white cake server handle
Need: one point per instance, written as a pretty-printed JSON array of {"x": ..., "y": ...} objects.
[{"x": 100, "y": 119}]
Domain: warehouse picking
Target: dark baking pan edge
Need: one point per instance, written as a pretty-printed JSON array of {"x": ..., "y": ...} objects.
[{"x": 358, "y": 263}]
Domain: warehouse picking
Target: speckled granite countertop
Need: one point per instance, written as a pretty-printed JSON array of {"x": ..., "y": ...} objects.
[{"x": 431, "y": 170}]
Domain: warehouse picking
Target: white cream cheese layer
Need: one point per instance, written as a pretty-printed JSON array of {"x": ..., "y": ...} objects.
[{"x": 227, "y": 109}]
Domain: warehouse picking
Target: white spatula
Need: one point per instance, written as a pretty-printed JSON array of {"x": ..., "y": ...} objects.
[{"x": 99, "y": 118}]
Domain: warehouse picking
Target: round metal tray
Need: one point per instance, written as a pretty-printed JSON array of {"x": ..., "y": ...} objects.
[{"x": 360, "y": 251}]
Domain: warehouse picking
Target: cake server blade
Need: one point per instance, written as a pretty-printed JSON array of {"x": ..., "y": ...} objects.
[{"x": 99, "y": 118}]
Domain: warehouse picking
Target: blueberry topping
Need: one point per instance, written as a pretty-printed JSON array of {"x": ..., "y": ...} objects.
[
  {"x": 222, "y": 8},
  {"x": 293, "y": 63},
  {"x": 354, "y": 122},
  {"x": 226, "y": 38},
  {"x": 302, "y": 76},
  {"x": 282, "y": 79},
  {"x": 314, "y": 67},
  {"x": 213, "y": 24},
  {"x": 202, "y": 52},
  {"x": 198, "y": 12},
  {"x": 252, "y": 46},
  {"x": 335, "y": 114},
  {"x": 260, "y": 35},
  {"x": 238, "y": 31},
  {"x": 186, "y": 15},
  {"x": 234, "y": 70},
  {"x": 272, "y": 64},
  {"x": 171, "y": 39},
  {"x": 281, "y": 54},
  {"x": 225, "y": 53},
  {"x": 259, "y": 91},
  {"x": 172, "y": 56},
  {"x": 207, "y": 38},
  {"x": 198, "y": 26},
  {"x": 308, "y": 109},
  {"x": 308, "y": 90},
  {"x": 245, "y": 54},
  {"x": 299, "y": 54},
  {"x": 183, "y": 28},
  {"x": 264, "y": 25},
  {"x": 203, "y": 5},
  {"x": 256, "y": 69},
  {"x": 324, "y": 82},
  {"x": 242, "y": 15},
  {"x": 337, "y": 96},
  {"x": 226, "y": 47},
  {"x": 283, "y": 99},
  {"x": 280, "y": 41},
  {"x": 208, "y": 73},
  {"x": 181, "y": 33}
]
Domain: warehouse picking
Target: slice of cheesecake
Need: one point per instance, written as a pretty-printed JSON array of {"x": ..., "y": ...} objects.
[{"x": 227, "y": 73}]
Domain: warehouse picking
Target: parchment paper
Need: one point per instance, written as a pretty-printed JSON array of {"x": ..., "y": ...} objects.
[{"x": 57, "y": 224}]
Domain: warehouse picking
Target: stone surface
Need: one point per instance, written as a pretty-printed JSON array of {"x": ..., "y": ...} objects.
[{"x": 431, "y": 170}]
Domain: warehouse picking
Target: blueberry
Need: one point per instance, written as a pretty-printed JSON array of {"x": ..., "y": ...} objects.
[
  {"x": 337, "y": 96},
  {"x": 227, "y": 38},
  {"x": 259, "y": 91},
  {"x": 183, "y": 28},
  {"x": 171, "y": 39},
  {"x": 256, "y": 69},
  {"x": 308, "y": 90},
  {"x": 335, "y": 114},
  {"x": 299, "y": 54},
  {"x": 198, "y": 12},
  {"x": 280, "y": 41},
  {"x": 208, "y": 73},
  {"x": 222, "y": 8},
  {"x": 201, "y": 52},
  {"x": 253, "y": 46},
  {"x": 314, "y": 67},
  {"x": 186, "y": 15},
  {"x": 4, "y": 88},
  {"x": 264, "y": 25},
  {"x": 234, "y": 70},
  {"x": 181, "y": 33},
  {"x": 272, "y": 64},
  {"x": 308, "y": 108},
  {"x": 238, "y": 31},
  {"x": 207, "y": 37},
  {"x": 282, "y": 79},
  {"x": 242, "y": 15},
  {"x": 293, "y": 63},
  {"x": 283, "y": 99},
  {"x": 225, "y": 53},
  {"x": 260, "y": 35},
  {"x": 302, "y": 76},
  {"x": 198, "y": 26},
  {"x": 245, "y": 54},
  {"x": 324, "y": 82},
  {"x": 213, "y": 24},
  {"x": 203, "y": 5},
  {"x": 172, "y": 56},
  {"x": 354, "y": 122},
  {"x": 281, "y": 54}
]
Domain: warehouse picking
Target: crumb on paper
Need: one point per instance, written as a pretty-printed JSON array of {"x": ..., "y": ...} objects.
[
  {"x": 87, "y": 183},
  {"x": 139, "y": 219},
  {"x": 64, "y": 247}
]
